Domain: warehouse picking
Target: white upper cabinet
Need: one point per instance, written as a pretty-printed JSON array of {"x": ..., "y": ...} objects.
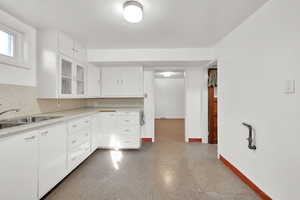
[
  {"x": 93, "y": 82},
  {"x": 80, "y": 82},
  {"x": 80, "y": 52},
  {"x": 71, "y": 48},
  {"x": 61, "y": 71},
  {"x": 65, "y": 45},
  {"x": 122, "y": 81}
]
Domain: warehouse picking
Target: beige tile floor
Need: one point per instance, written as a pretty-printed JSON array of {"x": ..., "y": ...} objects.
[{"x": 166, "y": 170}]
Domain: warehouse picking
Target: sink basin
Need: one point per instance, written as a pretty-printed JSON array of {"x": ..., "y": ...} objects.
[{"x": 24, "y": 120}]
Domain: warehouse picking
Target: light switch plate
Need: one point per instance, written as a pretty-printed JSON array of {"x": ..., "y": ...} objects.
[{"x": 290, "y": 87}]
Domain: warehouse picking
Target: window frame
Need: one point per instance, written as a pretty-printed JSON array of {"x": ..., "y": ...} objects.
[{"x": 18, "y": 48}]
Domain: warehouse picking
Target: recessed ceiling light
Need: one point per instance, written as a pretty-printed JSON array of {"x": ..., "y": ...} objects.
[
  {"x": 133, "y": 11},
  {"x": 167, "y": 74}
]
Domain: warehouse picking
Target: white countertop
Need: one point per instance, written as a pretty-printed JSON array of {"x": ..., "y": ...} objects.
[{"x": 65, "y": 116}]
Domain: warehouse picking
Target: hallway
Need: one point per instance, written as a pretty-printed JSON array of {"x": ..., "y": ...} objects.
[
  {"x": 166, "y": 170},
  {"x": 169, "y": 130}
]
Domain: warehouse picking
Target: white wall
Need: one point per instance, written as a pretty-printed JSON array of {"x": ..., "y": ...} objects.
[
  {"x": 169, "y": 98},
  {"x": 196, "y": 103},
  {"x": 16, "y": 75},
  {"x": 153, "y": 55},
  {"x": 254, "y": 61}
]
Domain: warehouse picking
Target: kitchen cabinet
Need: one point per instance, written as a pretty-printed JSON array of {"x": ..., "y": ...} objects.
[
  {"x": 93, "y": 82},
  {"x": 79, "y": 141},
  {"x": 65, "y": 44},
  {"x": 52, "y": 157},
  {"x": 72, "y": 79},
  {"x": 71, "y": 48},
  {"x": 62, "y": 66},
  {"x": 120, "y": 130},
  {"x": 19, "y": 165},
  {"x": 80, "y": 52},
  {"x": 96, "y": 131},
  {"x": 122, "y": 82},
  {"x": 80, "y": 80}
]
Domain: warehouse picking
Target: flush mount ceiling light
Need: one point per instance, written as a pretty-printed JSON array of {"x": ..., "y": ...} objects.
[
  {"x": 133, "y": 11},
  {"x": 167, "y": 74}
]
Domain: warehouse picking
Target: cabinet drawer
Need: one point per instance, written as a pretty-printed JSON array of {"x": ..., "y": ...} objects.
[
  {"x": 77, "y": 155},
  {"x": 130, "y": 131},
  {"x": 78, "y": 138},
  {"x": 128, "y": 120},
  {"x": 128, "y": 113},
  {"x": 79, "y": 124}
]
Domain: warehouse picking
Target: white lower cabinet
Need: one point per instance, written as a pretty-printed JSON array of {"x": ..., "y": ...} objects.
[
  {"x": 79, "y": 141},
  {"x": 120, "y": 130},
  {"x": 32, "y": 163},
  {"x": 52, "y": 157},
  {"x": 18, "y": 167},
  {"x": 96, "y": 130}
]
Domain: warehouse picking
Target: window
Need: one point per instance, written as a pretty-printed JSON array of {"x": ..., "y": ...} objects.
[
  {"x": 7, "y": 41},
  {"x": 11, "y": 47}
]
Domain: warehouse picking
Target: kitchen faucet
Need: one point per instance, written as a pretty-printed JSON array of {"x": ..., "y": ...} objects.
[{"x": 9, "y": 110}]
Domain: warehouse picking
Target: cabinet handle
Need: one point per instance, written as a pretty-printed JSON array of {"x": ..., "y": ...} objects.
[
  {"x": 29, "y": 138},
  {"x": 127, "y": 130},
  {"x": 44, "y": 133},
  {"x": 74, "y": 126},
  {"x": 74, "y": 141},
  {"x": 86, "y": 121},
  {"x": 127, "y": 120}
]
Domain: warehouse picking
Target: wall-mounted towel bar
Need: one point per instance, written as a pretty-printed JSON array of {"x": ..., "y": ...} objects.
[{"x": 250, "y": 138}]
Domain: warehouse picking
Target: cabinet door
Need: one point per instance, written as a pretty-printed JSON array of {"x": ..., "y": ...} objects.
[
  {"x": 66, "y": 77},
  {"x": 53, "y": 157},
  {"x": 93, "y": 81},
  {"x": 108, "y": 135},
  {"x": 132, "y": 82},
  {"x": 80, "y": 80},
  {"x": 111, "y": 81},
  {"x": 96, "y": 131},
  {"x": 18, "y": 168},
  {"x": 80, "y": 52},
  {"x": 66, "y": 45}
]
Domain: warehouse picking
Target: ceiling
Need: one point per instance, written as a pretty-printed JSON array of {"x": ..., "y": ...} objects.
[{"x": 166, "y": 24}]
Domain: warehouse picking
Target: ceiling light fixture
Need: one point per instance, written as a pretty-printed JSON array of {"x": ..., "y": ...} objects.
[
  {"x": 133, "y": 11},
  {"x": 167, "y": 74}
]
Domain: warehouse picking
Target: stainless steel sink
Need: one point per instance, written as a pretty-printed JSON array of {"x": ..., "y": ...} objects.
[{"x": 24, "y": 120}]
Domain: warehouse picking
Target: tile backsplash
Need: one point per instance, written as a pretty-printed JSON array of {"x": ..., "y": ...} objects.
[
  {"x": 25, "y": 98},
  {"x": 116, "y": 103}
]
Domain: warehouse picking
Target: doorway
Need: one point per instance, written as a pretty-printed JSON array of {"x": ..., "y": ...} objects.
[
  {"x": 169, "y": 89},
  {"x": 212, "y": 106}
]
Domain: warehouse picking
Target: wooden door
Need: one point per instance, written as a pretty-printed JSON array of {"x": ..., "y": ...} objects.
[{"x": 212, "y": 114}]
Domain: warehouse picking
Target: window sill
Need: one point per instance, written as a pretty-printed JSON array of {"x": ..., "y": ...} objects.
[{"x": 22, "y": 65}]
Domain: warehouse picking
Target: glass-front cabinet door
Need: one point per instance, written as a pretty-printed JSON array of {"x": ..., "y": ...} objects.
[
  {"x": 66, "y": 86},
  {"x": 80, "y": 80}
]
